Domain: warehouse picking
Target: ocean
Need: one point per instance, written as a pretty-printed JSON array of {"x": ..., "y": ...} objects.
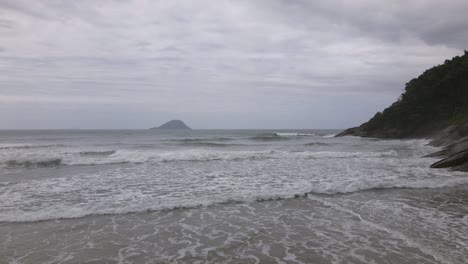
[{"x": 226, "y": 196}]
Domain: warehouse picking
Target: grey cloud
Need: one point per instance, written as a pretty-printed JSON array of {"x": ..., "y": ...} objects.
[
  {"x": 455, "y": 35},
  {"x": 173, "y": 49},
  {"x": 34, "y": 8},
  {"x": 253, "y": 61},
  {"x": 432, "y": 21},
  {"x": 6, "y": 23},
  {"x": 204, "y": 46}
]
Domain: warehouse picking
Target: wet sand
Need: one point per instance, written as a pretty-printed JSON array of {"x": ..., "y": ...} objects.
[{"x": 366, "y": 227}]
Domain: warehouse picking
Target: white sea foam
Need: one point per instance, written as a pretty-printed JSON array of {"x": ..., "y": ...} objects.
[
  {"x": 162, "y": 178},
  {"x": 148, "y": 189},
  {"x": 193, "y": 155},
  {"x": 138, "y": 204},
  {"x": 294, "y": 134},
  {"x": 68, "y": 156},
  {"x": 366, "y": 198},
  {"x": 27, "y": 146}
]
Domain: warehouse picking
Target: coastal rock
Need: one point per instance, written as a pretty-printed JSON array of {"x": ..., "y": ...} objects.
[
  {"x": 438, "y": 154},
  {"x": 173, "y": 124},
  {"x": 451, "y": 135},
  {"x": 458, "y": 159},
  {"x": 454, "y": 141}
]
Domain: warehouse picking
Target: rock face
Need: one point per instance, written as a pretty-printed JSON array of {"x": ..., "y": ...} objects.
[
  {"x": 173, "y": 124},
  {"x": 454, "y": 141},
  {"x": 455, "y": 160}
]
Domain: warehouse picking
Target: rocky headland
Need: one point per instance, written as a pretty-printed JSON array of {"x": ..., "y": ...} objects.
[{"x": 434, "y": 106}]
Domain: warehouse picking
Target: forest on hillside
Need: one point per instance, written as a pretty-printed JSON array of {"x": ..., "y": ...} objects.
[{"x": 436, "y": 99}]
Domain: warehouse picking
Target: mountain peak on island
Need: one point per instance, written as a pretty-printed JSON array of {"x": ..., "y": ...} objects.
[{"x": 173, "y": 124}]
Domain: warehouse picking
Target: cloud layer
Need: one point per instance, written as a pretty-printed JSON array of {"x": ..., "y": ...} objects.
[{"x": 216, "y": 64}]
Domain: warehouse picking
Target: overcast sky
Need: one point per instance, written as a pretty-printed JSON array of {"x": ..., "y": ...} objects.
[{"x": 216, "y": 64}]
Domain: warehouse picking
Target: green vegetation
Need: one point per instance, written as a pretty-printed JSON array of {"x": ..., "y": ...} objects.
[{"x": 435, "y": 100}]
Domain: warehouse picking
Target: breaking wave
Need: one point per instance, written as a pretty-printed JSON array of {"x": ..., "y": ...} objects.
[
  {"x": 189, "y": 155},
  {"x": 268, "y": 137},
  {"x": 97, "y": 153},
  {"x": 294, "y": 134},
  {"x": 277, "y": 136},
  {"x": 33, "y": 163},
  {"x": 211, "y": 144},
  {"x": 175, "y": 176},
  {"x": 192, "y": 140},
  {"x": 319, "y": 144},
  {"x": 30, "y": 146},
  {"x": 135, "y": 206}
]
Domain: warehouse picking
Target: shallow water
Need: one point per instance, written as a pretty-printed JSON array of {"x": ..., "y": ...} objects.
[{"x": 226, "y": 196}]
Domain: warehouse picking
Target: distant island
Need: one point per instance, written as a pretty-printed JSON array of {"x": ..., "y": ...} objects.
[
  {"x": 434, "y": 105},
  {"x": 173, "y": 124}
]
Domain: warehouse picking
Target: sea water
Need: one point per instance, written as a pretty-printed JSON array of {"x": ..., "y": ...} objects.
[{"x": 226, "y": 196}]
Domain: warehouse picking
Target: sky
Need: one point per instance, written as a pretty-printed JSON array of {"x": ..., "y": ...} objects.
[{"x": 216, "y": 64}]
